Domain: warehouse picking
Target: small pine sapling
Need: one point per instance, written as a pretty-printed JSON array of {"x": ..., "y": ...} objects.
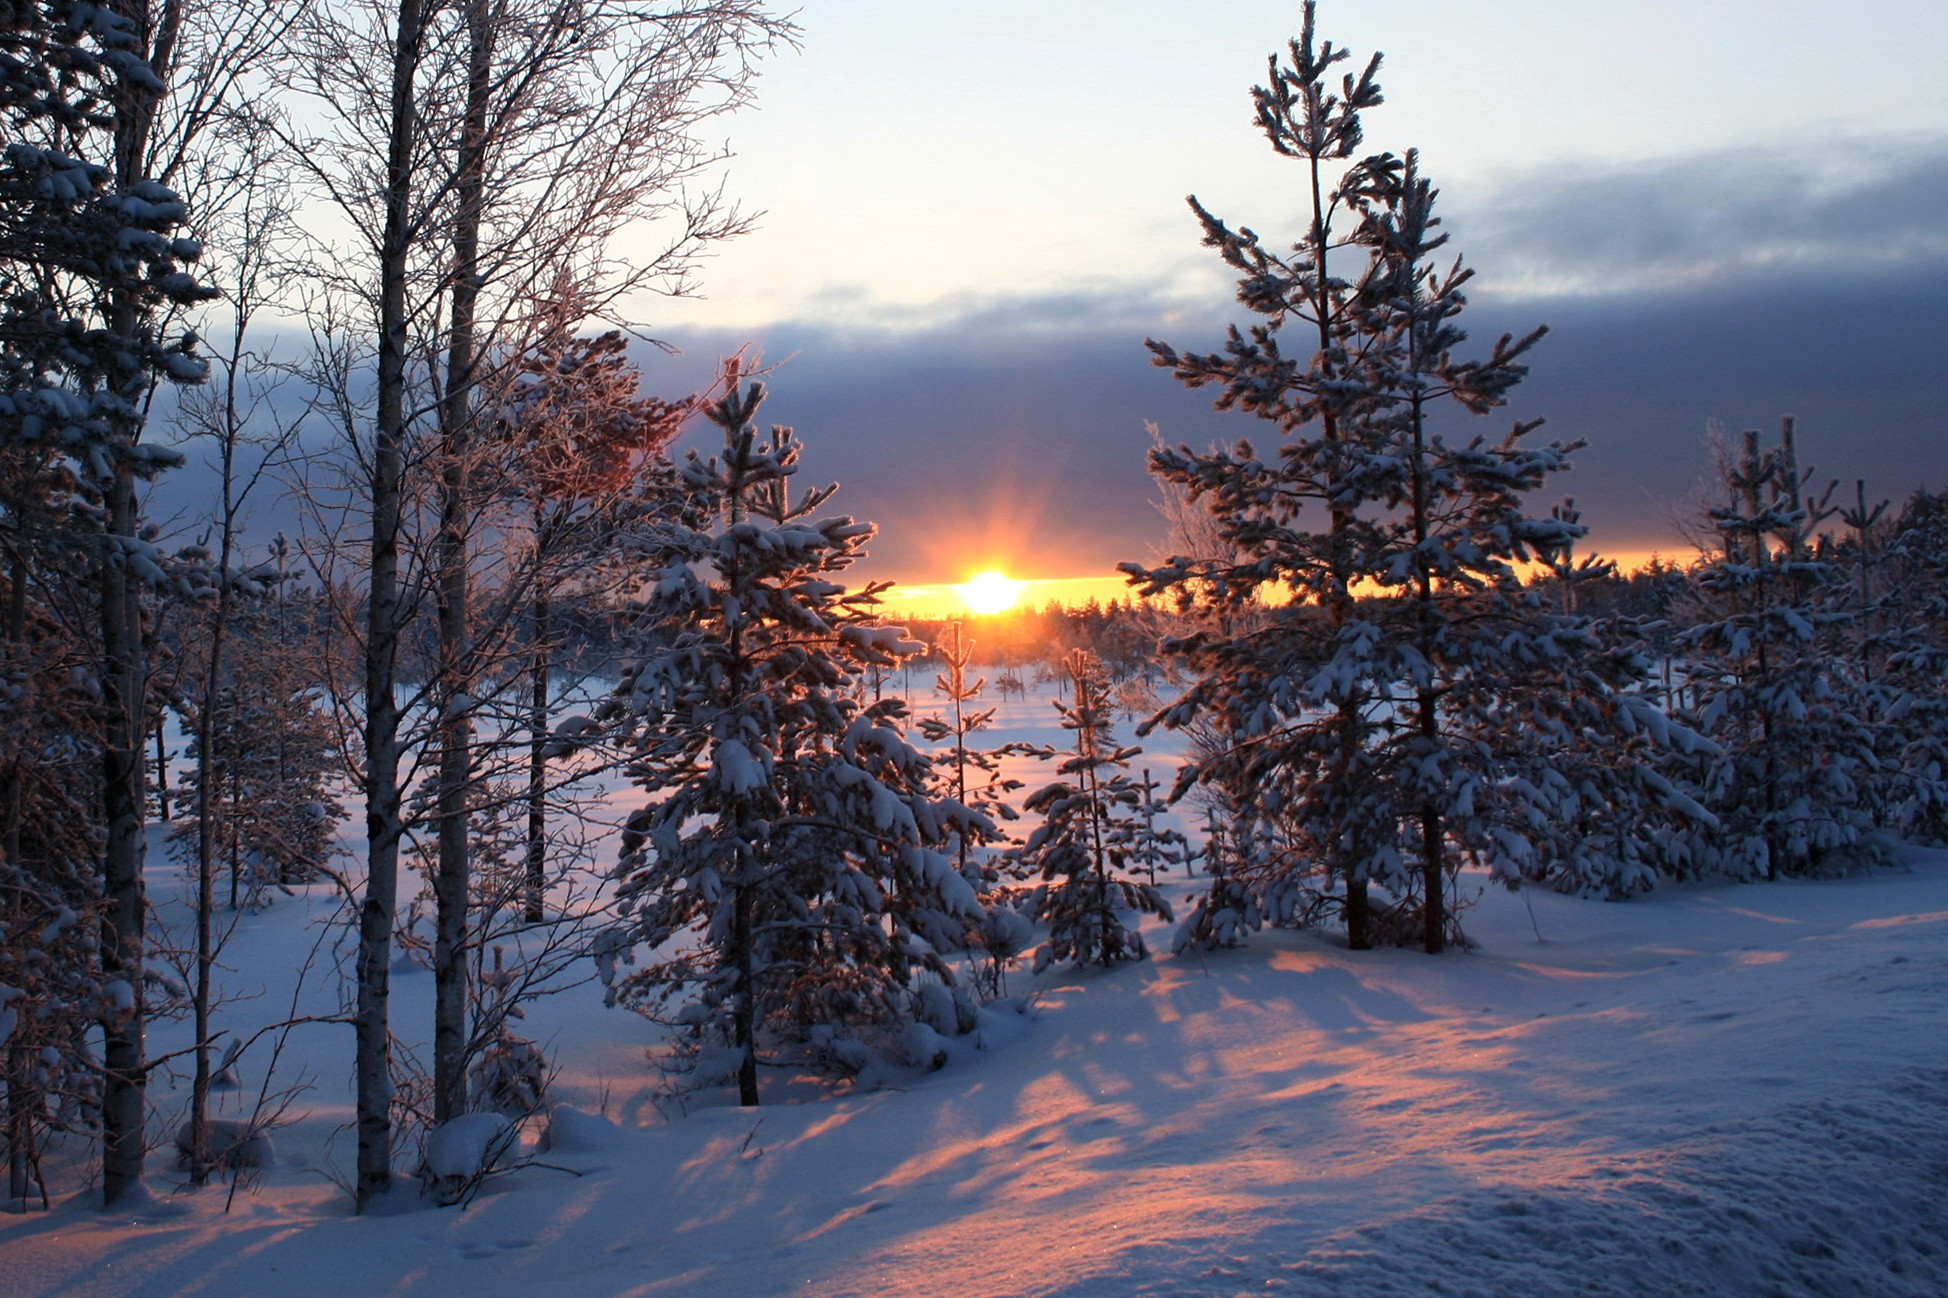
[
  {"x": 1226, "y": 911},
  {"x": 971, "y": 776},
  {"x": 1092, "y": 828}
]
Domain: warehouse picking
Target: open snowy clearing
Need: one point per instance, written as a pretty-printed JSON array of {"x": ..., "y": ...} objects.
[{"x": 1725, "y": 1090}]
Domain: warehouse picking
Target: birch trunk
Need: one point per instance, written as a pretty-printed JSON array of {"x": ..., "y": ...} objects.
[
  {"x": 372, "y": 1028},
  {"x": 453, "y": 877}
]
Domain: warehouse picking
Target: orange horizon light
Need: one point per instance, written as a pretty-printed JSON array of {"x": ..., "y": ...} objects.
[{"x": 991, "y": 592}]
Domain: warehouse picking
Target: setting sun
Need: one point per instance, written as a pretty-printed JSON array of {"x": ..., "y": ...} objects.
[{"x": 991, "y": 592}]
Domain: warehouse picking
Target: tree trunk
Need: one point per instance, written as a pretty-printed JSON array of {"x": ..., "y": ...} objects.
[
  {"x": 162, "y": 766},
  {"x": 453, "y": 876},
  {"x": 537, "y": 862},
  {"x": 1434, "y": 904},
  {"x": 746, "y": 1006},
  {"x": 124, "y": 1107},
  {"x": 16, "y": 631},
  {"x": 373, "y": 1023},
  {"x": 124, "y": 666},
  {"x": 207, "y": 800}
]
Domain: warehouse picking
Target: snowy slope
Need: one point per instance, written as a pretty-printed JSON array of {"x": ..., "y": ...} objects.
[{"x": 1717, "y": 1090}]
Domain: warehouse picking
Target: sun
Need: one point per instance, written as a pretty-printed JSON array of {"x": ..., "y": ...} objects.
[{"x": 991, "y": 592}]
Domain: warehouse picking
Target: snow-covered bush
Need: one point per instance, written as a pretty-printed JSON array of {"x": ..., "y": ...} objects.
[
  {"x": 509, "y": 1077},
  {"x": 463, "y": 1152}
]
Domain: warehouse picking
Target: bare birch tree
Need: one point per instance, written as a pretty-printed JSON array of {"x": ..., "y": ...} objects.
[{"x": 503, "y": 152}]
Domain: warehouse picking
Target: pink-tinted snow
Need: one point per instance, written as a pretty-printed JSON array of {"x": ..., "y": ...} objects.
[{"x": 1712, "y": 1090}]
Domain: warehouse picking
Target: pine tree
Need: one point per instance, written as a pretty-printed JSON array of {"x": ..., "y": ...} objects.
[
  {"x": 94, "y": 261},
  {"x": 789, "y": 873},
  {"x": 1092, "y": 830},
  {"x": 273, "y": 796},
  {"x": 579, "y": 438},
  {"x": 971, "y": 776},
  {"x": 1376, "y": 710},
  {"x": 1770, "y": 683},
  {"x": 1604, "y": 820},
  {"x": 1915, "y": 643},
  {"x": 51, "y": 990}
]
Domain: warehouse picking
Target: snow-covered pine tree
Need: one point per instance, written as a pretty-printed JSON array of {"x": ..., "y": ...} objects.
[
  {"x": 1092, "y": 827},
  {"x": 1915, "y": 643},
  {"x": 971, "y": 776},
  {"x": 1769, "y": 682},
  {"x": 274, "y": 768},
  {"x": 1244, "y": 667},
  {"x": 1227, "y": 908},
  {"x": 93, "y": 262},
  {"x": 579, "y": 436},
  {"x": 51, "y": 996},
  {"x": 1372, "y": 726},
  {"x": 788, "y": 874},
  {"x": 1604, "y": 820}
]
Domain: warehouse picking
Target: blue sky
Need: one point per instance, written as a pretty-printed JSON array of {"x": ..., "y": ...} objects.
[{"x": 973, "y": 215}]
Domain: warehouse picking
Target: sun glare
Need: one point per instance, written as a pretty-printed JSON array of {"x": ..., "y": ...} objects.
[{"x": 991, "y": 592}]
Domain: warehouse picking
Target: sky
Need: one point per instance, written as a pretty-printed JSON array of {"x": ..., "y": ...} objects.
[{"x": 973, "y": 215}]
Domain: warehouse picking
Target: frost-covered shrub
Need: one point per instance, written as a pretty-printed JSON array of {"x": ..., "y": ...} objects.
[{"x": 229, "y": 1145}]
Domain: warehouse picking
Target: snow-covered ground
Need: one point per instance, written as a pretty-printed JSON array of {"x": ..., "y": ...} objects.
[{"x": 1712, "y": 1090}]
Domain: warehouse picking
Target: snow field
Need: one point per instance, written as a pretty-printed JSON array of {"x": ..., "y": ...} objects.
[{"x": 1714, "y": 1090}]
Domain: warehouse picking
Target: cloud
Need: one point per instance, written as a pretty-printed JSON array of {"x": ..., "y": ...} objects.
[
  {"x": 1009, "y": 429},
  {"x": 1735, "y": 287},
  {"x": 1672, "y": 223}
]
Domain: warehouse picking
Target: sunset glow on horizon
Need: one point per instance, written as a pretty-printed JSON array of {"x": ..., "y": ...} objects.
[
  {"x": 960, "y": 599},
  {"x": 991, "y": 592},
  {"x": 948, "y": 600}
]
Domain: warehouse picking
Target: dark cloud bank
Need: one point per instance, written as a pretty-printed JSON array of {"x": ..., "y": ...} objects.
[
  {"x": 1733, "y": 288},
  {"x": 1730, "y": 289}
]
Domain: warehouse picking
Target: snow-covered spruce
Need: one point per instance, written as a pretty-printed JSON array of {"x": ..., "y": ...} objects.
[
  {"x": 1907, "y": 625},
  {"x": 788, "y": 876},
  {"x": 972, "y": 777},
  {"x": 1384, "y": 715}
]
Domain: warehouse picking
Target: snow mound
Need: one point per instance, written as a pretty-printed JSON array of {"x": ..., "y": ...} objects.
[
  {"x": 575, "y": 1131},
  {"x": 467, "y": 1147}
]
